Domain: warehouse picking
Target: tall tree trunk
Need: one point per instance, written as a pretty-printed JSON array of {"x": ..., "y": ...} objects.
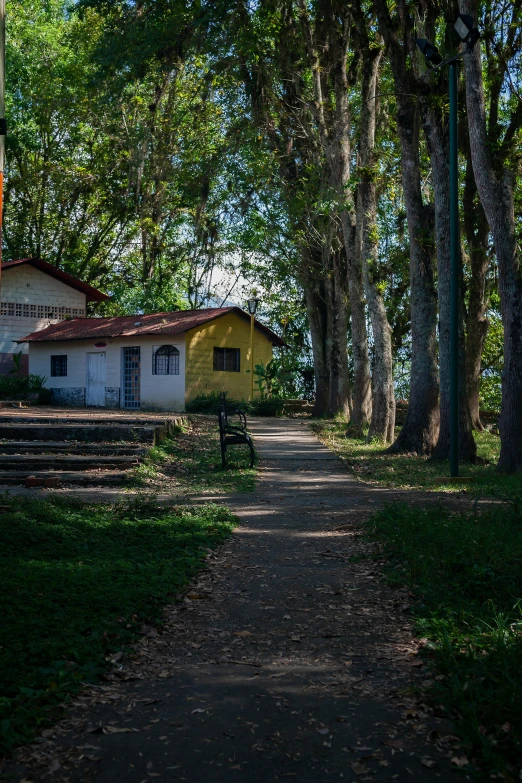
[
  {"x": 437, "y": 139},
  {"x": 339, "y": 389},
  {"x": 329, "y": 74},
  {"x": 495, "y": 185},
  {"x": 339, "y": 156},
  {"x": 317, "y": 320},
  {"x": 477, "y": 232},
  {"x": 367, "y": 247},
  {"x": 326, "y": 304},
  {"x": 420, "y": 430},
  {"x": 382, "y": 425}
]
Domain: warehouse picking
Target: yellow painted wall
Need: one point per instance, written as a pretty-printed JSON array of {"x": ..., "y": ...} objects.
[{"x": 229, "y": 331}]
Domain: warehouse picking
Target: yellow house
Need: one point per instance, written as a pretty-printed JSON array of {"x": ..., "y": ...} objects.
[{"x": 153, "y": 362}]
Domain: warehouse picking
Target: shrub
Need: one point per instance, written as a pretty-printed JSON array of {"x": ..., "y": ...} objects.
[
  {"x": 209, "y": 403},
  {"x": 266, "y": 406},
  {"x": 260, "y": 406},
  {"x": 21, "y": 387}
]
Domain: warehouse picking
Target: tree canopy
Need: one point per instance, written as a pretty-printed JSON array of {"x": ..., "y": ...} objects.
[{"x": 178, "y": 153}]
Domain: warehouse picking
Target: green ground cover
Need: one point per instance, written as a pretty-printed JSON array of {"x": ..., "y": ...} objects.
[
  {"x": 465, "y": 571},
  {"x": 190, "y": 463},
  {"x": 464, "y": 568},
  {"x": 369, "y": 463},
  {"x": 78, "y": 582}
]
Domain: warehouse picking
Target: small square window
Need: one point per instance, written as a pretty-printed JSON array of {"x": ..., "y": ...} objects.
[
  {"x": 226, "y": 359},
  {"x": 58, "y": 366}
]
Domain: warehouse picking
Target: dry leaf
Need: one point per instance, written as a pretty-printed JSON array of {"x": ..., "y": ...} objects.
[
  {"x": 323, "y": 731},
  {"x": 117, "y": 730},
  {"x": 243, "y": 633},
  {"x": 427, "y": 762},
  {"x": 359, "y": 768},
  {"x": 459, "y": 761},
  {"x": 198, "y": 710}
]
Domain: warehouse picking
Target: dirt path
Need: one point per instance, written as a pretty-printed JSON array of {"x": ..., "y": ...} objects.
[{"x": 290, "y": 658}]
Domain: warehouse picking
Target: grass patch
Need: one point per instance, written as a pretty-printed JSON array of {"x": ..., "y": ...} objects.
[
  {"x": 190, "y": 463},
  {"x": 369, "y": 463},
  {"x": 78, "y": 581},
  {"x": 465, "y": 570}
]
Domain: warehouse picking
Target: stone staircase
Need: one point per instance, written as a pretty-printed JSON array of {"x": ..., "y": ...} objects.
[{"x": 56, "y": 448}]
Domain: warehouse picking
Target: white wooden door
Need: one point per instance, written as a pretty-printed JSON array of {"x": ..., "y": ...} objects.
[{"x": 96, "y": 379}]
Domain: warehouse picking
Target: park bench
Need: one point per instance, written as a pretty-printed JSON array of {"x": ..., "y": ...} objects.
[{"x": 233, "y": 433}]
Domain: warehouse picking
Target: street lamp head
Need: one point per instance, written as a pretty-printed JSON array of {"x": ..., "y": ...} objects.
[
  {"x": 465, "y": 30},
  {"x": 252, "y": 305},
  {"x": 430, "y": 52}
]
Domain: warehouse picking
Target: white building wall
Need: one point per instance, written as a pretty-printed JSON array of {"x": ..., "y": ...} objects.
[
  {"x": 158, "y": 392},
  {"x": 30, "y": 299}
]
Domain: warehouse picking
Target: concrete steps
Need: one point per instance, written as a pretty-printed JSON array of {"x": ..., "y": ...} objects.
[
  {"x": 81, "y": 448},
  {"x": 65, "y": 462},
  {"x": 81, "y": 432},
  {"x": 70, "y": 447},
  {"x": 84, "y": 478}
]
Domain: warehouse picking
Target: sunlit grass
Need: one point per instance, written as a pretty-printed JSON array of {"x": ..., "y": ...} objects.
[
  {"x": 190, "y": 463},
  {"x": 79, "y": 580},
  {"x": 370, "y": 464}
]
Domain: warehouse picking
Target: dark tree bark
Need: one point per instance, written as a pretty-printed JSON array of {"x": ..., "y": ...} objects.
[
  {"x": 382, "y": 422},
  {"x": 331, "y": 89},
  {"x": 437, "y": 139},
  {"x": 328, "y": 318},
  {"x": 420, "y": 431},
  {"x": 288, "y": 125},
  {"x": 492, "y": 158}
]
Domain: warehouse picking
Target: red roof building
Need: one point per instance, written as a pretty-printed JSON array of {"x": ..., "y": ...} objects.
[
  {"x": 160, "y": 324},
  {"x": 35, "y": 294},
  {"x": 156, "y": 362}
]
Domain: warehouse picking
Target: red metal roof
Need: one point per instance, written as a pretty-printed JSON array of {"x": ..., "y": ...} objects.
[
  {"x": 92, "y": 294},
  {"x": 139, "y": 325}
]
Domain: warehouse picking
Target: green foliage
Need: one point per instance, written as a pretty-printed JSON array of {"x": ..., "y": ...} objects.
[
  {"x": 263, "y": 405},
  {"x": 82, "y": 580},
  {"x": 271, "y": 379},
  {"x": 492, "y": 364},
  {"x": 266, "y": 406},
  {"x": 465, "y": 570},
  {"x": 209, "y": 403},
  {"x": 190, "y": 463},
  {"x": 370, "y": 463},
  {"x": 21, "y": 387}
]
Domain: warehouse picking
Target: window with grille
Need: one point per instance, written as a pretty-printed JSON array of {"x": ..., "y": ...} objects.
[
  {"x": 58, "y": 366},
  {"x": 226, "y": 359},
  {"x": 165, "y": 360},
  {"x": 131, "y": 378}
]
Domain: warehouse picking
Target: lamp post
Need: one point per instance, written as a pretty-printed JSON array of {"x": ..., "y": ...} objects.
[
  {"x": 252, "y": 305},
  {"x": 468, "y": 35}
]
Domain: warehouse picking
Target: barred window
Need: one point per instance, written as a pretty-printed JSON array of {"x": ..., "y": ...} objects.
[
  {"x": 58, "y": 366},
  {"x": 226, "y": 359},
  {"x": 165, "y": 360}
]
